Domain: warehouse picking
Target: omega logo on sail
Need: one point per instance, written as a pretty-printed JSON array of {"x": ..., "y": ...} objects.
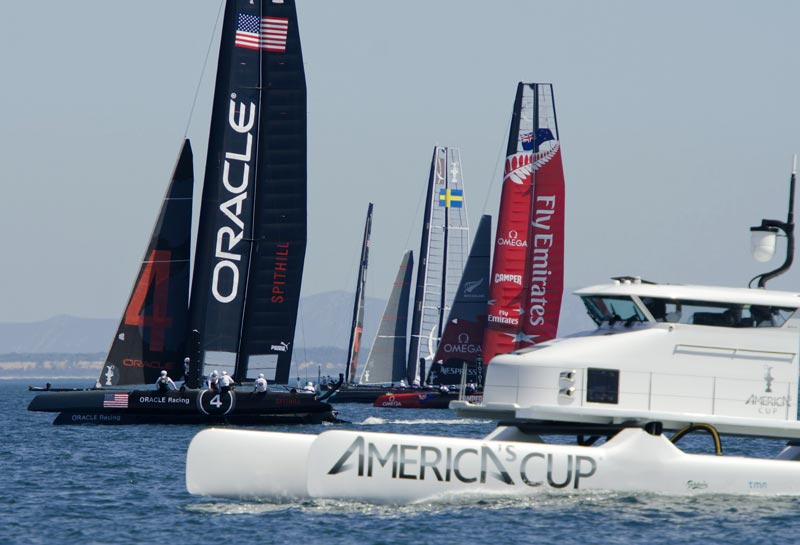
[
  {"x": 229, "y": 236},
  {"x": 464, "y": 346},
  {"x": 512, "y": 240}
]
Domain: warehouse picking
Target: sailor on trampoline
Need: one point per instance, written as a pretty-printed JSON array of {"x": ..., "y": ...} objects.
[
  {"x": 260, "y": 385},
  {"x": 164, "y": 383}
]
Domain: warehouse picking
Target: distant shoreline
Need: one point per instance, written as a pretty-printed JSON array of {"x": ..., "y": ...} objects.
[{"x": 48, "y": 379}]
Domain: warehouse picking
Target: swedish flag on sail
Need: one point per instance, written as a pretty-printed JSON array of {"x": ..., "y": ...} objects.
[{"x": 451, "y": 198}]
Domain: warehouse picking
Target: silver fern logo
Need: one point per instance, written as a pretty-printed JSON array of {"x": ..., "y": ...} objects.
[
  {"x": 520, "y": 165},
  {"x": 470, "y": 287}
]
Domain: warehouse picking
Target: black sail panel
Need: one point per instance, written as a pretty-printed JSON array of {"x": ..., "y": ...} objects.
[
  {"x": 151, "y": 336},
  {"x": 252, "y": 233},
  {"x": 462, "y": 338},
  {"x": 224, "y": 231},
  {"x": 413, "y": 366},
  {"x": 357, "y": 326},
  {"x": 280, "y": 212}
]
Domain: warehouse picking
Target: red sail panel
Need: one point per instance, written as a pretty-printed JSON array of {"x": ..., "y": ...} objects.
[
  {"x": 528, "y": 268},
  {"x": 505, "y": 306},
  {"x": 545, "y": 265}
]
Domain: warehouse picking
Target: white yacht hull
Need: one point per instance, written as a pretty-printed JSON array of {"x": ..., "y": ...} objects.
[{"x": 399, "y": 469}]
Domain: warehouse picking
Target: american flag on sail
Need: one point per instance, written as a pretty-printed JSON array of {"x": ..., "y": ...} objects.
[
  {"x": 115, "y": 400},
  {"x": 268, "y": 33}
]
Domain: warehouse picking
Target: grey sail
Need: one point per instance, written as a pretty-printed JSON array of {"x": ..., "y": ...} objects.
[
  {"x": 443, "y": 252},
  {"x": 387, "y": 359}
]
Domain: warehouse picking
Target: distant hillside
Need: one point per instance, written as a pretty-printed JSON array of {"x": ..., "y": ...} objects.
[
  {"x": 77, "y": 345},
  {"x": 60, "y": 334},
  {"x": 324, "y": 322}
]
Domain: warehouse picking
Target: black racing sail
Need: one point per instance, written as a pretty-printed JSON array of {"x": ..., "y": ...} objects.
[
  {"x": 251, "y": 238},
  {"x": 462, "y": 339},
  {"x": 357, "y": 328},
  {"x": 443, "y": 250},
  {"x": 151, "y": 336},
  {"x": 386, "y": 362}
]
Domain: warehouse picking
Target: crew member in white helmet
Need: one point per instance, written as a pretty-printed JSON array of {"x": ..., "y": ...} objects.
[
  {"x": 225, "y": 382},
  {"x": 260, "y": 385},
  {"x": 186, "y": 362},
  {"x": 164, "y": 383},
  {"x": 309, "y": 387},
  {"x": 213, "y": 381}
]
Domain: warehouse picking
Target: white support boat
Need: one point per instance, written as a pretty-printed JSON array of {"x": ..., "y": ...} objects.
[
  {"x": 677, "y": 355},
  {"x": 663, "y": 358}
]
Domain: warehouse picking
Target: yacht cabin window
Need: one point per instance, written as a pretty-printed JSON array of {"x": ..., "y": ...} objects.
[{"x": 615, "y": 309}]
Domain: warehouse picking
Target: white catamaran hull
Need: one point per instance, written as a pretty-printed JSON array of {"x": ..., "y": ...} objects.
[{"x": 398, "y": 469}]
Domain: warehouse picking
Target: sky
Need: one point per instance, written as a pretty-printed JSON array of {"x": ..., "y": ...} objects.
[{"x": 678, "y": 122}]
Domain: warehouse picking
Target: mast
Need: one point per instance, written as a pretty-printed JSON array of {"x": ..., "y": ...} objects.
[
  {"x": 443, "y": 288},
  {"x": 357, "y": 326},
  {"x": 252, "y": 234},
  {"x": 153, "y": 329}
]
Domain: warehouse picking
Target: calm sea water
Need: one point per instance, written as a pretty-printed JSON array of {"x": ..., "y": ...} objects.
[{"x": 86, "y": 485}]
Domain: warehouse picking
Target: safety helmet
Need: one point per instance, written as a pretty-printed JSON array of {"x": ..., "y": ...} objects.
[
  {"x": 261, "y": 375},
  {"x": 224, "y": 372},
  {"x": 214, "y": 374},
  {"x": 163, "y": 373},
  {"x": 186, "y": 360}
]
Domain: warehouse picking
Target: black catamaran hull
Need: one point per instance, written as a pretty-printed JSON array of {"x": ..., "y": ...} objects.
[{"x": 183, "y": 407}]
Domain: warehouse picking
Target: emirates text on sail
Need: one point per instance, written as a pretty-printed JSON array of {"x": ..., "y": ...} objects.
[{"x": 540, "y": 259}]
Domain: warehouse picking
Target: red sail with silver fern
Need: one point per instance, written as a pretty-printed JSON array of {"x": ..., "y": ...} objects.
[{"x": 527, "y": 277}]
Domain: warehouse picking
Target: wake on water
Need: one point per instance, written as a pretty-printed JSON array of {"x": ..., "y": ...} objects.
[
  {"x": 672, "y": 508},
  {"x": 376, "y": 420}
]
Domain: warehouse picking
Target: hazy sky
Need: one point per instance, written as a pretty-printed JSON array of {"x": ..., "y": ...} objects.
[{"x": 678, "y": 121}]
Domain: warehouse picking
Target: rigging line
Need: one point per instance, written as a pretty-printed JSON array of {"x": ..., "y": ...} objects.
[
  {"x": 500, "y": 156},
  {"x": 203, "y": 71},
  {"x": 414, "y": 223}
]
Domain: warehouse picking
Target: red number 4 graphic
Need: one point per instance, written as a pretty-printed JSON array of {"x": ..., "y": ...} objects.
[{"x": 155, "y": 274}]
